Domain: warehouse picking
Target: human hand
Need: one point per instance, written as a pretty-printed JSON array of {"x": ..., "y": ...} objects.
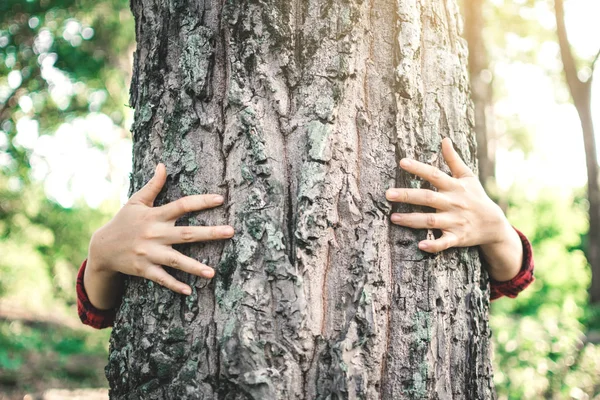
[
  {"x": 137, "y": 241},
  {"x": 465, "y": 214}
]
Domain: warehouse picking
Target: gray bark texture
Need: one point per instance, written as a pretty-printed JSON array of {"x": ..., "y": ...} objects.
[{"x": 298, "y": 113}]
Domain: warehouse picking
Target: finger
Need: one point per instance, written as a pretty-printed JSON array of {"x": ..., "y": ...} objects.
[
  {"x": 163, "y": 278},
  {"x": 188, "y": 204},
  {"x": 457, "y": 166},
  {"x": 170, "y": 257},
  {"x": 190, "y": 234},
  {"x": 148, "y": 193},
  {"x": 423, "y": 220},
  {"x": 441, "y": 244},
  {"x": 421, "y": 197},
  {"x": 431, "y": 174}
]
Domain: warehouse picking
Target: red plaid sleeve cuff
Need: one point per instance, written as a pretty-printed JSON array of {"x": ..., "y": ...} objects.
[
  {"x": 89, "y": 314},
  {"x": 523, "y": 279}
]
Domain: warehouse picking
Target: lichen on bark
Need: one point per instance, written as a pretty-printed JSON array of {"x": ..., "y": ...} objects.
[{"x": 298, "y": 112}]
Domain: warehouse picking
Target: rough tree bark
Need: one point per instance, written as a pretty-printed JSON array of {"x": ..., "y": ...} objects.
[
  {"x": 581, "y": 92},
  {"x": 481, "y": 88},
  {"x": 298, "y": 112}
]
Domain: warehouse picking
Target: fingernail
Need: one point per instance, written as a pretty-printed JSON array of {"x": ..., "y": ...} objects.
[
  {"x": 218, "y": 199},
  {"x": 391, "y": 193},
  {"x": 187, "y": 291},
  {"x": 396, "y": 218},
  {"x": 226, "y": 231},
  {"x": 208, "y": 272},
  {"x": 405, "y": 162},
  {"x": 423, "y": 246}
]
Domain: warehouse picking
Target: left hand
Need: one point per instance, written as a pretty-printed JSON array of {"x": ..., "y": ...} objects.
[{"x": 464, "y": 213}]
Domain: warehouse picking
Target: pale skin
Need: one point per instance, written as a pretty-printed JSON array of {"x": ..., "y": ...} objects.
[{"x": 138, "y": 240}]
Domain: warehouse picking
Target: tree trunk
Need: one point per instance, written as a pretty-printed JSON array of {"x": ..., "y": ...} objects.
[
  {"x": 581, "y": 92},
  {"x": 298, "y": 113},
  {"x": 481, "y": 89}
]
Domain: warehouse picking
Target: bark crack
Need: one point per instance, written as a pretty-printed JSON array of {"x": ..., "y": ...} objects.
[
  {"x": 288, "y": 201},
  {"x": 324, "y": 290},
  {"x": 450, "y": 27},
  {"x": 388, "y": 310},
  {"x": 298, "y": 35},
  {"x": 221, "y": 131}
]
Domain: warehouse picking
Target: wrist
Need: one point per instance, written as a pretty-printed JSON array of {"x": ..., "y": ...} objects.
[
  {"x": 102, "y": 284},
  {"x": 503, "y": 232},
  {"x": 504, "y": 256},
  {"x": 95, "y": 261}
]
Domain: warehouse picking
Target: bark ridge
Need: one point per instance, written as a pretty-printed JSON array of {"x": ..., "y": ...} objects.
[{"x": 298, "y": 112}]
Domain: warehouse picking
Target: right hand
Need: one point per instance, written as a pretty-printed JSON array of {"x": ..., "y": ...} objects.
[{"x": 137, "y": 241}]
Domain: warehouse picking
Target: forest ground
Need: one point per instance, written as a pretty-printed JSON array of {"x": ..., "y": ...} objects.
[{"x": 45, "y": 357}]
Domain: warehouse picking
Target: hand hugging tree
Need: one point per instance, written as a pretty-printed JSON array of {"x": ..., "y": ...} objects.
[{"x": 297, "y": 113}]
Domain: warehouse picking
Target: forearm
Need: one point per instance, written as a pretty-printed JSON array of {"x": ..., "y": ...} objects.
[
  {"x": 504, "y": 256},
  {"x": 104, "y": 287}
]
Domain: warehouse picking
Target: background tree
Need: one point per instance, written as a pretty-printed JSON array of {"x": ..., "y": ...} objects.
[
  {"x": 481, "y": 89},
  {"x": 544, "y": 342},
  {"x": 298, "y": 113},
  {"x": 581, "y": 93}
]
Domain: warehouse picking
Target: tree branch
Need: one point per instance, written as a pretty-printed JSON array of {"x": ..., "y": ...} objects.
[
  {"x": 566, "y": 54},
  {"x": 594, "y": 61}
]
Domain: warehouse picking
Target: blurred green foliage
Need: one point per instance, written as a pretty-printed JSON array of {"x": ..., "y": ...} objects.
[
  {"x": 62, "y": 59},
  {"x": 42, "y": 245},
  {"x": 544, "y": 339},
  {"x": 59, "y": 60},
  {"x": 33, "y": 355}
]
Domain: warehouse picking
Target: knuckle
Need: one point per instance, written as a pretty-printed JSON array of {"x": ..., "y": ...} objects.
[
  {"x": 161, "y": 281},
  {"x": 151, "y": 185},
  {"x": 436, "y": 247},
  {"x": 405, "y": 196},
  {"x": 459, "y": 203},
  {"x": 436, "y": 174},
  {"x": 173, "y": 261},
  {"x": 204, "y": 201},
  {"x": 187, "y": 234},
  {"x": 148, "y": 234},
  {"x": 183, "y": 205},
  {"x": 429, "y": 198},
  {"x": 431, "y": 220},
  {"x": 214, "y": 233},
  {"x": 138, "y": 269},
  {"x": 140, "y": 251},
  {"x": 454, "y": 241}
]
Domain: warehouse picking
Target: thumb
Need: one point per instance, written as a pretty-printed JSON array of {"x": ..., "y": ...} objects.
[
  {"x": 435, "y": 246},
  {"x": 148, "y": 193},
  {"x": 457, "y": 166}
]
